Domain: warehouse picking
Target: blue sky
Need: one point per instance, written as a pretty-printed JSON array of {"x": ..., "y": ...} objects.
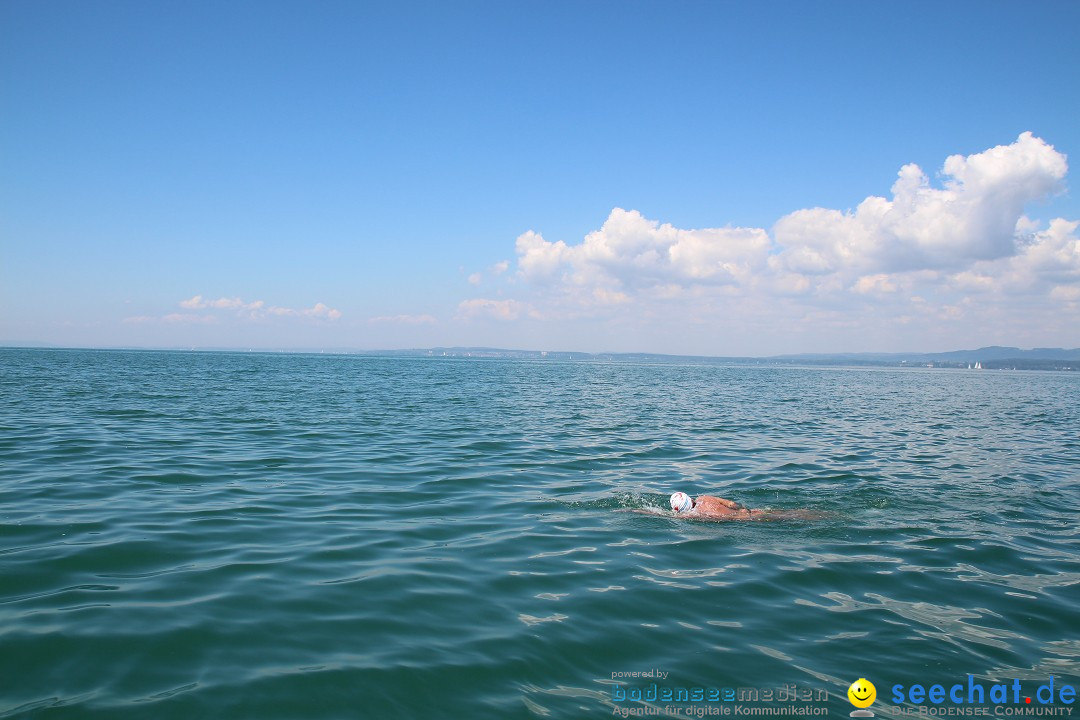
[{"x": 599, "y": 176}]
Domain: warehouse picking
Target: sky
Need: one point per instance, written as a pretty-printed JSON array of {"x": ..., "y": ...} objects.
[{"x": 713, "y": 178}]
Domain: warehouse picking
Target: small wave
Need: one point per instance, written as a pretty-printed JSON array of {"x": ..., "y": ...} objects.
[{"x": 650, "y": 502}]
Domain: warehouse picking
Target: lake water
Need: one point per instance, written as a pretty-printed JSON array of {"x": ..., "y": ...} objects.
[{"x": 245, "y": 535}]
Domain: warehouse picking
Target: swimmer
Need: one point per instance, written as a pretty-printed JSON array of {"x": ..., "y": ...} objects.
[{"x": 708, "y": 506}]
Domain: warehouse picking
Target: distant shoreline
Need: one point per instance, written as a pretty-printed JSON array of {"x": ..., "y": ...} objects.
[{"x": 988, "y": 358}]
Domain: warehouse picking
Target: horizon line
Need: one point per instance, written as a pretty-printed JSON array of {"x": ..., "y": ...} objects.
[{"x": 336, "y": 350}]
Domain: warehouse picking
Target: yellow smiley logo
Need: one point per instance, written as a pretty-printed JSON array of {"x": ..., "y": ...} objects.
[{"x": 862, "y": 693}]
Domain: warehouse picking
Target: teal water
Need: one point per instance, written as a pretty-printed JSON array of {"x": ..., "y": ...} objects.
[{"x": 216, "y": 535}]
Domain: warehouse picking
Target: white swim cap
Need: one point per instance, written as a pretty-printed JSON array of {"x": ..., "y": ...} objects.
[{"x": 681, "y": 502}]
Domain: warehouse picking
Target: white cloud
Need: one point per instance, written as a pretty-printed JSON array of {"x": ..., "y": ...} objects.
[
  {"x": 632, "y": 257},
  {"x": 974, "y": 216},
  {"x": 880, "y": 283},
  {"x": 199, "y": 303},
  {"x": 245, "y": 311},
  {"x": 475, "y": 278},
  {"x": 500, "y": 267},
  {"x": 1055, "y": 252},
  {"x": 1066, "y": 293},
  {"x": 1044, "y": 259},
  {"x": 634, "y": 251},
  {"x": 497, "y": 309},
  {"x": 924, "y": 254},
  {"x": 319, "y": 310},
  {"x": 972, "y": 227},
  {"x": 537, "y": 258}
]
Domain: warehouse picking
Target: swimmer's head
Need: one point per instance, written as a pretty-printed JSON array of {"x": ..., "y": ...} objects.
[{"x": 681, "y": 502}]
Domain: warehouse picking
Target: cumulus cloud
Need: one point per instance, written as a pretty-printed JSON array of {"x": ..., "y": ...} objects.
[
  {"x": 972, "y": 217},
  {"x": 632, "y": 250},
  {"x": 928, "y": 250},
  {"x": 1047, "y": 258},
  {"x": 632, "y": 257}
]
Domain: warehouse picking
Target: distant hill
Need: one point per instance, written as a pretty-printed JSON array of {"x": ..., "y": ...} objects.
[
  {"x": 993, "y": 352},
  {"x": 982, "y": 354},
  {"x": 994, "y": 357},
  {"x": 989, "y": 358},
  {"x": 996, "y": 352}
]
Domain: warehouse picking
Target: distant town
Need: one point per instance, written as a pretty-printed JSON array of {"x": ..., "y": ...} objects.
[{"x": 987, "y": 358}]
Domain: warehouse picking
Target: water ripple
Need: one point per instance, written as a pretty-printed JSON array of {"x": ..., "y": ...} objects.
[{"x": 279, "y": 536}]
